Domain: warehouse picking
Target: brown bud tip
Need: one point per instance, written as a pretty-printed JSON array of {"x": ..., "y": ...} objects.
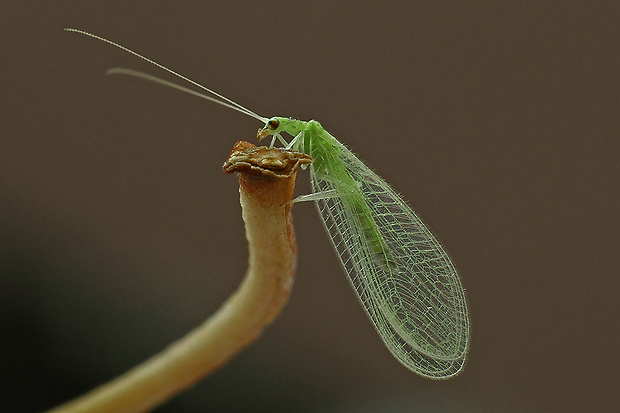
[{"x": 264, "y": 161}]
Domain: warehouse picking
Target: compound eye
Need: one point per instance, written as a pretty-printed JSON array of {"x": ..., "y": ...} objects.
[{"x": 273, "y": 123}]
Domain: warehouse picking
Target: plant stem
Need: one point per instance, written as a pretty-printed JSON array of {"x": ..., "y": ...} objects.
[{"x": 266, "y": 183}]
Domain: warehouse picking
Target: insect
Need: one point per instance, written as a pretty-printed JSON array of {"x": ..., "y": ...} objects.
[{"x": 402, "y": 275}]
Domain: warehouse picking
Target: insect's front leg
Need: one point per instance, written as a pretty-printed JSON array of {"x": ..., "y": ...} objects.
[
  {"x": 293, "y": 142},
  {"x": 280, "y": 139}
]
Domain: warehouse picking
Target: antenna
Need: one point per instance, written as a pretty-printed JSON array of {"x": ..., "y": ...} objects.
[{"x": 223, "y": 100}]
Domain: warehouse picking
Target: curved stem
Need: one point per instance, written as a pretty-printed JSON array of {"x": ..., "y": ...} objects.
[{"x": 266, "y": 183}]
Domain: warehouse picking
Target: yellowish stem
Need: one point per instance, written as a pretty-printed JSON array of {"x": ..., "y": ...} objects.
[{"x": 266, "y": 183}]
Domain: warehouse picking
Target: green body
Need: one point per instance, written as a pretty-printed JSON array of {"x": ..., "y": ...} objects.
[{"x": 326, "y": 151}]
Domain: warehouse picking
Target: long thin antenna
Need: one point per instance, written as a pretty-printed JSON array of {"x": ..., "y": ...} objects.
[
  {"x": 155, "y": 79},
  {"x": 231, "y": 104}
]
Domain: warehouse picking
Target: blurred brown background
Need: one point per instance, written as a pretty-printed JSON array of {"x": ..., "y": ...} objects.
[{"x": 119, "y": 232}]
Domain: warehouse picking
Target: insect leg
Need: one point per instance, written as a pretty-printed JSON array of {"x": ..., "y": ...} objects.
[
  {"x": 279, "y": 138},
  {"x": 273, "y": 140},
  {"x": 295, "y": 139},
  {"x": 315, "y": 196},
  {"x": 282, "y": 140}
]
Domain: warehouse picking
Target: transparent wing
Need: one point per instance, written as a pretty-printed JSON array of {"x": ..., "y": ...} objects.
[{"x": 417, "y": 303}]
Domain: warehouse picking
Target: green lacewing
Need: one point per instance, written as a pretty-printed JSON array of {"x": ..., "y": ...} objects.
[{"x": 402, "y": 275}]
